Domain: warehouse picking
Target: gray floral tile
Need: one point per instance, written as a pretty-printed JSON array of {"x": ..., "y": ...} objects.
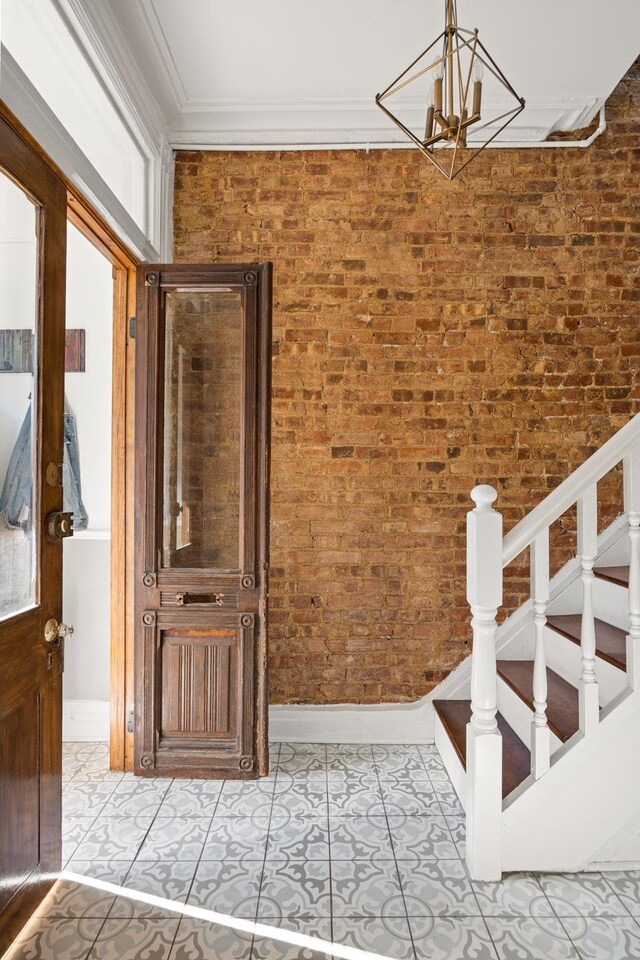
[
  {"x": 295, "y": 888},
  {"x": 414, "y": 798},
  {"x": 299, "y": 763},
  {"x": 298, "y": 838},
  {"x": 365, "y": 888},
  {"x": 582, "y": 895},
  {"x": 82, "y": 750},
  {"x": 597, "y": 939},
  {"x": 448, "y": 798},
  {"x": 168, "y": 879},
  {"x": 236, "y": 838},
  {"x": 231, "y": 887},
  {"x": 245, "y": 798},
  {"x": 516, "y": 895},
  {"x": 288, "y": 942},
  {"x": 528, "y": 939},
  {"x": 134, "y": 939},
  {"x": 360, "y": 838},
  {"x": 74, "y": 830},
  {"x": 175, "y": 838},
  {"x": 97, "y": 768},
  {"x": 352, "y": 759},
  {"x": 55, "y": 939},
  {"x": 452, "y": 938},
  {"x": 422, "y": 838},
  {"x": 112, "y": 871},
  {"x": 299, "y": 797},
  {"x": 355, "y": 798},
  {"x": 71, "y": 898},
  {"x": 399, "y": 764},
  {"x": 81, "y": 799},
  {"x": 386, "y": 936},
  {"x": 119, "y": 838},
  {"x": 201, "y": 940},
  {"x": 131, "y": 798},
  {"x": 436, "y": 769},
  {"x": 626, "y": 885},
  {"x": 191, "y": 798},
  {"x": 458, "y": 827},
  {"x": 437, "y": 888}
]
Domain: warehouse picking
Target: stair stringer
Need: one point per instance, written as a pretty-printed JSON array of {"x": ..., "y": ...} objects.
[{"x": 566, "y": 820}]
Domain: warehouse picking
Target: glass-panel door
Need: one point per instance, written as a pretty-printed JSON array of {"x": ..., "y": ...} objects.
[
  {"x": 32, "y": 294},
  {"x": 203, "y": 353}
]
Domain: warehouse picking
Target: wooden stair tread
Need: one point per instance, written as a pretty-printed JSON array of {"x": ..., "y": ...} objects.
[
  {"x": 611, "y": 642},
  {"x": 516, "y": 758},
  {"x": 619, "y": 575},
  {"x": 562, "y": 698}
]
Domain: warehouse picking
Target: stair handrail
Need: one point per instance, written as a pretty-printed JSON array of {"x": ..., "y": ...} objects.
[
  {"x": 569, "y": 491},
  {"x": 488, "y": 553}
]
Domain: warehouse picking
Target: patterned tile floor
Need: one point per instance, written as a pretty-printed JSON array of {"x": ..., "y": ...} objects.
[{"x": 356, "y": 847}]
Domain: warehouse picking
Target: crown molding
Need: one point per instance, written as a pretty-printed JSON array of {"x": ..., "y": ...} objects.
[{"x": 347, "y": 122}]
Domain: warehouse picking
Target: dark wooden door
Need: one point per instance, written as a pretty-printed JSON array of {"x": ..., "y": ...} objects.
[
  {"x": 32, "y": 292},
  {"x": 202, "y": 432}
]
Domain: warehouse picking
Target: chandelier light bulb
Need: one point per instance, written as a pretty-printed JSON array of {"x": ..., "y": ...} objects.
[
  {"x": 478, "y": 69},
  {"x": 437, "y": 69}
]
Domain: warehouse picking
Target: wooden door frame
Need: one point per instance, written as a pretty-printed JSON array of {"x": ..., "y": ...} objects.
[
  {"x": 121, "y": 686},
  {"x": 97, "y": 231}
]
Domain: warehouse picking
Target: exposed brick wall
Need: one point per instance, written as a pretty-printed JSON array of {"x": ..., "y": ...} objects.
[{"x": 427, "y": 336}]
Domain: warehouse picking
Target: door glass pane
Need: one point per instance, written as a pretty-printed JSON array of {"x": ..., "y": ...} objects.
[
  {"x": 202, "y": 417},
  {"x": 18, "y": 461}
]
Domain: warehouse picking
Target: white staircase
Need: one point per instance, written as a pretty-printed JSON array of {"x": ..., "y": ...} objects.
[{"x": 541, "y": 736}]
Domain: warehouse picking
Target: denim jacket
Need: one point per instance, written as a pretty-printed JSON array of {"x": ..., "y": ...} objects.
[{"x": 16, "y": 492}]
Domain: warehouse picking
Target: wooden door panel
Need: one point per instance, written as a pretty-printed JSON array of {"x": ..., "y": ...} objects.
[
  {"x": 202, "y": 431},
  {"x": 30, "y": 560},
  {"x": 19, "y": 794},
  {"x": 199, "y": 671}
]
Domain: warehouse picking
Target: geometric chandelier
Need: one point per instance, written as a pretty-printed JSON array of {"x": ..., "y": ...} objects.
[{"x": 445, "y": 104}]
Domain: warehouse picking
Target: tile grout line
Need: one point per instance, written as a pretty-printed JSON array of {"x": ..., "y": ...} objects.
[
  {"x": 266, "y": 848},
  {"x": 135, "y": 858},
  {"x": 198, "y": 862},
  {"x": 395, "y": 859}
]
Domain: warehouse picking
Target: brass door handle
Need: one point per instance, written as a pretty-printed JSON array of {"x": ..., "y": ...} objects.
[
  {"x": 184, "y": 599},
  {"x": 55, "y": 632}
]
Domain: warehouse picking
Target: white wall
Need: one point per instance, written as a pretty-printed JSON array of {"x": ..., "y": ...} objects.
[{"x": 87, "y": 553}]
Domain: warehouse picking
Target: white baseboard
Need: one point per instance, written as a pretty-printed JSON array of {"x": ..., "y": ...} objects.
[
  {"x": 352, "y": 723},
  {"x": 85, "y": 720}
]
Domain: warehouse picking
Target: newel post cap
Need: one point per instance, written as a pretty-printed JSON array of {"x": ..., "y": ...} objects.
[{"x": 483, "y": 496}]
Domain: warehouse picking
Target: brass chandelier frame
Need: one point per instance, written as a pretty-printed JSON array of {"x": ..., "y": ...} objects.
[{"x": 443, "y": 127}]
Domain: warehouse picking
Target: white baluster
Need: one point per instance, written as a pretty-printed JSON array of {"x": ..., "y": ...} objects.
[
  {"x": 484, "y": 741},
  {"x": 632, "y": 509},
  {"x": 540, "y": 736},
  {"x": 587, "y": 548}
]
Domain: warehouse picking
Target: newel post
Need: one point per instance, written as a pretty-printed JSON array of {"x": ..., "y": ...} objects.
[
  {"x": 632, "y": 509},
  {"x": 484, "y": 741}
]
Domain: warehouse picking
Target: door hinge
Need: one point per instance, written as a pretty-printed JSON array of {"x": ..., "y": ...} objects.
[
  {"x": 132, "y": 327},
  {"x": 130, "y": 722}
]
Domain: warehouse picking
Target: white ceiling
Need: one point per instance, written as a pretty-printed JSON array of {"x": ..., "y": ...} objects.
[{"x": 291, "y": 72}]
